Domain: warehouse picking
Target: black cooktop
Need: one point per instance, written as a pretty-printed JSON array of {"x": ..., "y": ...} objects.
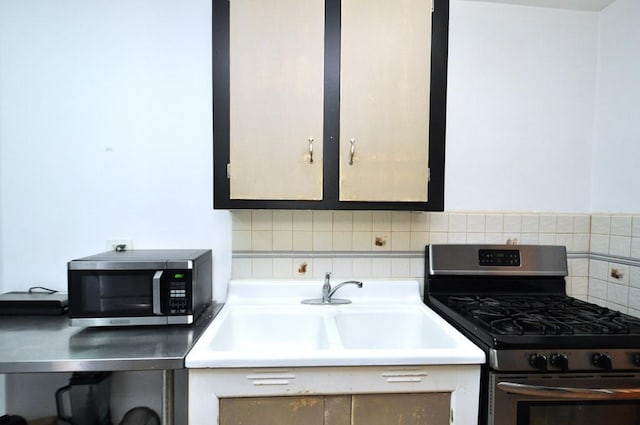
[{"x": 541, "y": 315}]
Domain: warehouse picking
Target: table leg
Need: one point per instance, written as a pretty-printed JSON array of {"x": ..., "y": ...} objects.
[{"x": 167, "y": 397}]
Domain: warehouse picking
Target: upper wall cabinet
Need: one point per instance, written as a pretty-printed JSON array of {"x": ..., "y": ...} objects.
[{"x": 329, "y": 104}]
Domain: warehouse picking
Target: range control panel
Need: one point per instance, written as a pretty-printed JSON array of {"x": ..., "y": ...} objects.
[
  {"x": 499, "y": 257},
  {"x": 565, "y": 360}
]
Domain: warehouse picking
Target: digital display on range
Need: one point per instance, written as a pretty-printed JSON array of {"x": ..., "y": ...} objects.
[{"x": 499, "y": 257}]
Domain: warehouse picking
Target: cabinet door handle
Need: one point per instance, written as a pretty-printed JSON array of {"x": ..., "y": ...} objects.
[
  {"x": 353, "y": 151},
  {"x": 310, "y": 150}
]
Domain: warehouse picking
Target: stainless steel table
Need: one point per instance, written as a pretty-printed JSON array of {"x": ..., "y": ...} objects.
[{"x": 49, "y": 344}]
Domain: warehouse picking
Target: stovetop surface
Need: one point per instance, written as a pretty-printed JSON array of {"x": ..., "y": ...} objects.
[
  {"x": 538, "y": 320},
  {"x": 541, "y": 315}
]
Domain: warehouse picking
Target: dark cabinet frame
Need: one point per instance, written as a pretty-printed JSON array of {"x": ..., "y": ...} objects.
[{"x": 331, "y": 125}]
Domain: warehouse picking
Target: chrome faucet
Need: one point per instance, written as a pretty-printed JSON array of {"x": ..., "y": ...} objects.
[{"x": 327, "y": 292}]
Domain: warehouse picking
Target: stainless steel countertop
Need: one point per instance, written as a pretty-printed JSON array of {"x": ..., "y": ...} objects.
[{"x": 49, "y": 344}]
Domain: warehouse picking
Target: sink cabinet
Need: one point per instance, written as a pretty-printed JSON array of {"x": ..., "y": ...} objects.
[
  {"x": 329, "y": 104},
  {"x": 357, "y": 409},
  {"x": 364, "y": 395}
]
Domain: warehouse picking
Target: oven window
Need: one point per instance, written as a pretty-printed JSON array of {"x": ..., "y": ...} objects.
[{"x": 579, "y": 413}]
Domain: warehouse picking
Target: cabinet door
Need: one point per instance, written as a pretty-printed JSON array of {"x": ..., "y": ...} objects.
[
  {"x": 385, "y": 61},
  {"x": 276, "y": 65},
  {"x": 294, "y": 410},
  {"x": 401, "y": 409}
]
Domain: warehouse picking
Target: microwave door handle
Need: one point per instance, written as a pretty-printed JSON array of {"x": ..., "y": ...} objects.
[
  {"x": 564, "y": 393},
  {"x": 157, "y": 308}
]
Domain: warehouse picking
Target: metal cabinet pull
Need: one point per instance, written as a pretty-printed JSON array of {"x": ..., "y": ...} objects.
[
  {"x": 353, "y": 151},
  {"x": 310, "y": 150}
]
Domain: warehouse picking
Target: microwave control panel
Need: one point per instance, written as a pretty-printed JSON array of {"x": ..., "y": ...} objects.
[{"x": 178, "y": 294}]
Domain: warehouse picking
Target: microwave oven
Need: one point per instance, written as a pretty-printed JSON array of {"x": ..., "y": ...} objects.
[{"x": 139, "y": 287}]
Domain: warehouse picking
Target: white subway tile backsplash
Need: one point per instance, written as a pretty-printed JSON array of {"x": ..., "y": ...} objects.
[
  {"x": 419, "y": 240},
  {"x": 302, "y": 221},
  {"x": 401, "y": 221},
  {"x": 454, "y": 238},
  {"x": 400, "y": 267},
  {"x": 362, "y": 267},
  {"x": 565, "y": 224},
  {"x": 362, "y": 221},
  {"x": 282, "y": 240},
  {"x": 262, "y": 240},
  {"x": 283, "y": 220},
  {"x": 512, "y": 223},
  {"x": 322, "y": 221},
  {"x": 599, "y": 243},
  {"x": 439, "y": 222},
  {"x": 582, "y": 224},
  {"x": 343, "y": 221},
  {"x": 634, "y": 277},
  {"x": 494, "y": 223},
  {"x": 381, "y": 267},
  {"x": 530, "y": 224},
  {"x": 548, "y": 223},
  {"x": 621, "y": 225},
  {"x": 362, "y": 241},
  {"x": 635, "y": 230},
  {"x": 241, "y": 240},
  {"x": 241, "y": 220},
  {"x": 342, "y": 240},
  {"x": 635, "y": 247},
  {"x": 342, "y": 268},
  {"x": 400, "y": 241},
  {"x": 620, "y": 246},
  {"x": 283, "y": 268},
  {"x": 322, "y": 241},
  {"x": 457, "y": 223},
  {"x": 381, "y": 221},
  {"x": 261, "y": 220},
  {"x": 581, "y": 242},
  {"x": 419, "y": 222},
  {"x": 601, "y": 224},
  {"x": 476, "y": 223},
  {"x": 262, "y": 268},
  {"x": 302, "y": 240}
]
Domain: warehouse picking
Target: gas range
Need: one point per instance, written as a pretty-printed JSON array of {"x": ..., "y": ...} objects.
[
  {"x": 517, "y": 310},
  {"x": 551, "y": 358}
]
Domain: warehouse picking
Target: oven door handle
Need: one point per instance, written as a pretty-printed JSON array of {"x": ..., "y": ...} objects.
[{"x": 564, "y": 393}]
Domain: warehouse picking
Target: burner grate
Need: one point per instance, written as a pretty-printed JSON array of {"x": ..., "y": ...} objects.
[{"x": 542, "y": 315}]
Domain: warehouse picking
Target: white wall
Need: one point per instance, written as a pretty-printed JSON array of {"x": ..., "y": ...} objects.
[
  {"x": 616, "y": 180},
  {"x": 105, "y": 132},
  {"x": 521, "y": 96}
]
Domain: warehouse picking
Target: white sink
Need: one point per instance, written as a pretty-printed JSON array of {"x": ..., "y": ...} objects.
[
  {"x": 386, "y": 329},
  {"x": 264, "y": 324},
  {"x": 275, "y": 331}
]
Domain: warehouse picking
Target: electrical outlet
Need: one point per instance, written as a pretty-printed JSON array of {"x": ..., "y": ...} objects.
[{"x": 116, "y": 244}]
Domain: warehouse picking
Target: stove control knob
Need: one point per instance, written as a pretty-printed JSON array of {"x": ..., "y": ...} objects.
[
  {"x": 601, "y": 361},
  {"x": 559, "y": 361},
  {"x": 538, "y": 361},
  {"x": 636, "y": 359}
]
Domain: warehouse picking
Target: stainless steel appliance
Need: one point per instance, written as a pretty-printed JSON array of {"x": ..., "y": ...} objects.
[
  {"x": 552, "y": 358},
  {"x": 89, "y": 397},
  {"x": 139, "y": 287}
]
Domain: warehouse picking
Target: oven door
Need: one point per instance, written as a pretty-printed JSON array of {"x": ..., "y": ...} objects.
[{"x": 571, "y": 399}]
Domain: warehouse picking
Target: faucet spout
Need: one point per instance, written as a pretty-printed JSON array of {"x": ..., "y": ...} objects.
[
  {"x": 340, "y": 285},
  {"x": 327, "y": 292}
]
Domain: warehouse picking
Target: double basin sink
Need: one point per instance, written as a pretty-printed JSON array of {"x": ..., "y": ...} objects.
[{"x": 264, "y": 324}]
